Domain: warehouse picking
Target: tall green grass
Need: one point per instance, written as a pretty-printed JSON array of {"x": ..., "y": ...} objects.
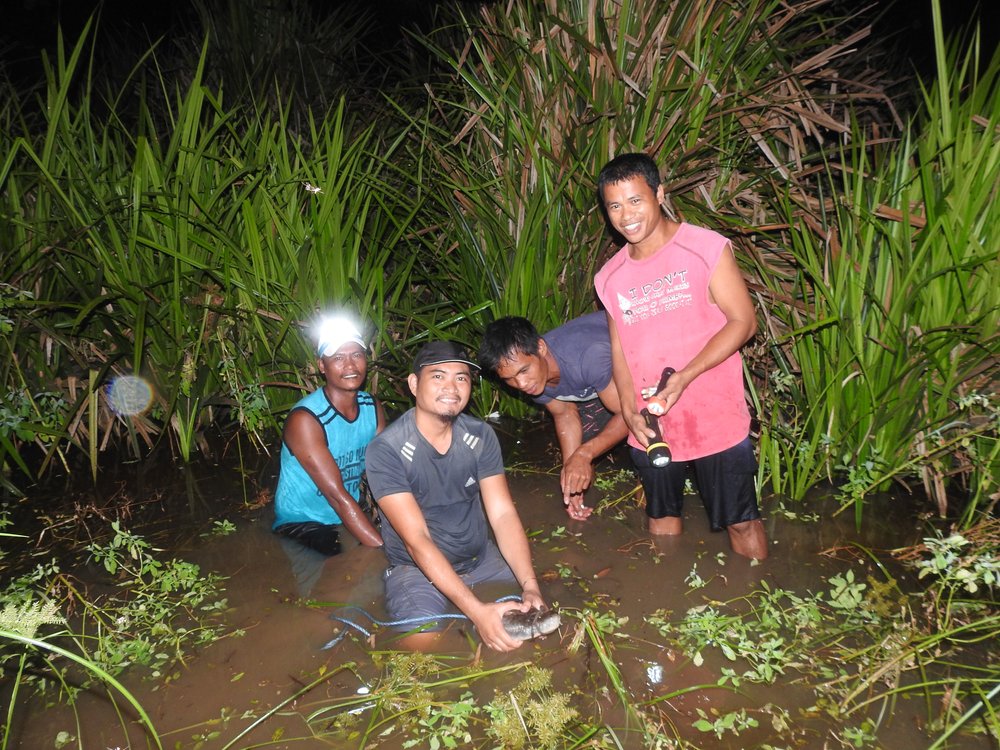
[
  {"x": 193, "y": 235},
  {"x": 890, "y": 338},
  {"x": 542, "y": 95},
  {"x": 192, "y": 248}
]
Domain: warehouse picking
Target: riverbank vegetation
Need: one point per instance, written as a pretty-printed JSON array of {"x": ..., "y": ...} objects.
[
  {"x": 174, "y": 223},
  {"x": 171, "y": 229}
]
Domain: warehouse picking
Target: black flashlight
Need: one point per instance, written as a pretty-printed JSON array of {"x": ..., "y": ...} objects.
[{"x": 658, "y": 450}]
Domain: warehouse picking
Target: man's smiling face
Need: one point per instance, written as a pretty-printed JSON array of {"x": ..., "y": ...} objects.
[
  {"x": 634, "y": 209},
  {"x": 527, "y": 373},
  {"x": 442, "y": 389},
  {"x": 346, "y": 368}
]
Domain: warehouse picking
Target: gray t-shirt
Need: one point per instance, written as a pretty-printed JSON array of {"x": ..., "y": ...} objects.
[
  {"x": 582, "y": 347},
  {"x": 446, "y": 487}
]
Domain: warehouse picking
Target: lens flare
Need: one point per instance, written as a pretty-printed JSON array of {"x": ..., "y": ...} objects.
[
  {"x": 334, "y": 331},
  {"x": 129, "y": 395}
]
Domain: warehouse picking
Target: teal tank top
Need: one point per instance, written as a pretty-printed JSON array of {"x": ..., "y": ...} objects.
[{"x": 297, "y": 498}]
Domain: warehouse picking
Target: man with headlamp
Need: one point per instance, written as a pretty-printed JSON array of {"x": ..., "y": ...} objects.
[{"x": 323, "y": 448}]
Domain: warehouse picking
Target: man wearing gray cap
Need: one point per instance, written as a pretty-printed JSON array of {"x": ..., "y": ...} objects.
[
  {"x": 438, "y": 478},
  {"x": 323, "y": 449}
]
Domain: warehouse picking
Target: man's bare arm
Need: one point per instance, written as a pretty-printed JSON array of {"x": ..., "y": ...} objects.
[
  {"x": 511, "y": 538},
  {"x": 623, "y": 384},
  {"x": 578, "y": 456}
]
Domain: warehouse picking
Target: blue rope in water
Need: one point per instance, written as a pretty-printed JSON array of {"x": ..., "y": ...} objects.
[{"x": 394, "y": 623}]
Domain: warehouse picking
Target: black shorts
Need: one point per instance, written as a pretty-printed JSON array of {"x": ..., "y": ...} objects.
[
  {"x": 594, "y": 415},
  {"x": 322, "y": 537},
  {"x": 725, "y": 481}
]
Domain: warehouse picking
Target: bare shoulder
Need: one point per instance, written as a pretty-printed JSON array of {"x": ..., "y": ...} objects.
[
  {"x": 302, "y": 424},
  {"x": 727, "y": 285}
]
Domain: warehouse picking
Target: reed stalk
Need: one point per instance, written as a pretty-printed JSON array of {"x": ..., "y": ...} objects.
[{"x": 892, "y": 330}]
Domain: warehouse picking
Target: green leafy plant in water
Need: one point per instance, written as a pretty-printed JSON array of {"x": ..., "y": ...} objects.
[
  {"x": 564, "y": 571},
  {"x": 963, "y": 572},
  {"x": 406, "y": 700},
  {"x": 545, "y": 535},
  {"x": 445, "y": 725},
  {"x": 166, "y": 610},
  {"x": 765, "y": 652},
  {"x": 782, "y": 509},
  {"x": 221, "y": 527},
  {"x": 125, "y": 549},
  {"x": 846, "y": 594},
  {"x": 603, "y": 622},
  {"x": 733, "y": 722},
  {"x": 861, "y": 638},
  {"x": 956, "y": 565},
  {"x": 694, "y": 580},
  {"x": 860, "y": 736},
  {"x": 775, "y": 635},
  {"x": 619, "y": 489},
  {"x": 607, "y": 481},
  {"x": 45, "y": 662}
]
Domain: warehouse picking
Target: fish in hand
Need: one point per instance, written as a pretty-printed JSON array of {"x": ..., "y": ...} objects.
[{"x": 527, "y": 625}]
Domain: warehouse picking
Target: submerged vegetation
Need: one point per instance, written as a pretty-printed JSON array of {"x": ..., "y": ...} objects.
[
  {"x": 173, "y": 224},
  {"x": 164, "y": 610},
  {"x": 861, "y": 646}
]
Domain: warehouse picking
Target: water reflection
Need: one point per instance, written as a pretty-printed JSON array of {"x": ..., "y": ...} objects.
[{"x": 307, "y": 565}]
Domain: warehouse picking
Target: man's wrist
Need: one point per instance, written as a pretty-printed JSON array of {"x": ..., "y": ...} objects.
[{"x": 474, "y": 609}]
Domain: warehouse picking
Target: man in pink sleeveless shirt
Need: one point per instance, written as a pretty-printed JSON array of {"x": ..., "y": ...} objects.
[{"x": 675, "y": 297}]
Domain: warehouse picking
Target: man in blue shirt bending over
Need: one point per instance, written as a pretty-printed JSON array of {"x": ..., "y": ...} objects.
[{"x": 568, "y": 371}]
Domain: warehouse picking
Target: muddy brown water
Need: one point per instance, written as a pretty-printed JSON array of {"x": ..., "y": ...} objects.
[{"x": 609, "y": 560}]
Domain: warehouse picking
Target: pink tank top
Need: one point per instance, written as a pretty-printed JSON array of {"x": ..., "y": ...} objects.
[{"x": 661, "y": 310}]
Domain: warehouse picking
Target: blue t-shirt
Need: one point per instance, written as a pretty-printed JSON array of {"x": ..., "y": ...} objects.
[
  {"x": 297, "y": 498},
  {"x": 582, "y": 347},
  {"x": 446, "y": 486}
]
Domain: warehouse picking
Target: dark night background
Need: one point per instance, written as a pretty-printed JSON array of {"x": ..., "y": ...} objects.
[{"x": 30, "y": 25}]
